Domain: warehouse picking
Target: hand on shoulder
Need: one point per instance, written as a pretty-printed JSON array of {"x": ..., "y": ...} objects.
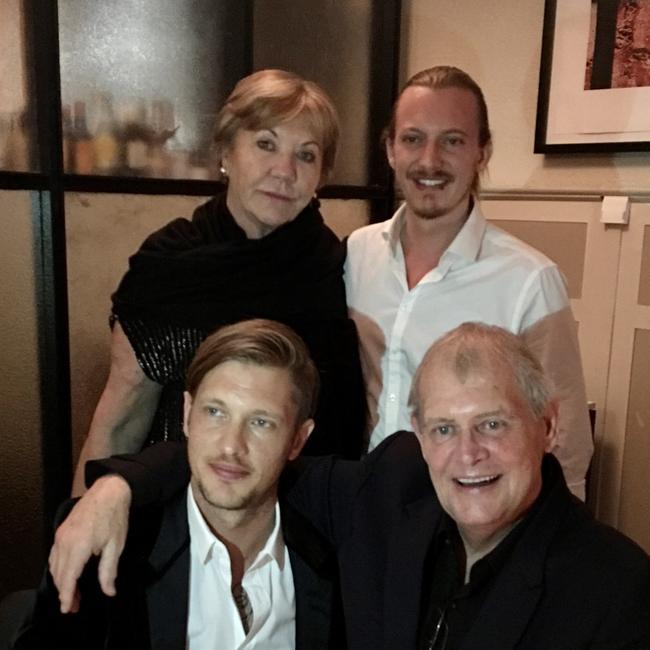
[{"x": 97, "y": 525}]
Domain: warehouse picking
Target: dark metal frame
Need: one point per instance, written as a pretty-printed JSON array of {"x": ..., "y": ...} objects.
[
  {"x": 48, "y": 218},
  {"x": 49, "y": 184},
  {"x": 541, "y": 146}
]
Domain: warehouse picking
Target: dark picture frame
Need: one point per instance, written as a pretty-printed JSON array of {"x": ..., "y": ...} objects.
[{"x": 570, "y": 117}]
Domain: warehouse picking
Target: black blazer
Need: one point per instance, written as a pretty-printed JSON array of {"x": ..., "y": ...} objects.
[
  {"x": 151, "y": 606},
  {"x": 569, "y": 583}
]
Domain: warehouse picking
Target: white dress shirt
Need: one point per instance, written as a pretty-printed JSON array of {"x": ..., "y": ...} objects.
[
  {"x": 214, "y": 622},
  {"x": 485, "y": 275}
]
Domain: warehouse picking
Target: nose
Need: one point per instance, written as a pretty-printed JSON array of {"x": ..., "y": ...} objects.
[
  {"x": 431, "y": 154},
  {"x": 470, "y": 447},
  {"x": 233, "y": 439},
  {"x": 284, "y": 166}
]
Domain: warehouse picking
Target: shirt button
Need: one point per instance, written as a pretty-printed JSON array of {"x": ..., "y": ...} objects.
[{"x": 392, "y": 397}]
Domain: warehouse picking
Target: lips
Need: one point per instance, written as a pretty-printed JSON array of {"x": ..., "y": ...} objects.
[
  {"x": 229, "y": 471},
  {"x": 276, "y": 196},
  {"x": 477, "y": 481},
  {"x": 430, "y": 180}
]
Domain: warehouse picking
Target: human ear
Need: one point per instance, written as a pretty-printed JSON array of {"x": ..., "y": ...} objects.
[
  {"x": 224, "y": 155},
  {"x": 484, "y": 159},
  {"x": 300, "y": 438},
  {"x": 552, "y": 428},
  {"x": 187, "y": 407},
  {"x": 390, "y": 152}
]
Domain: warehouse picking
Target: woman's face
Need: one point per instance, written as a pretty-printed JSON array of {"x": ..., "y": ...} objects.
[{"x": 272, "y": 175}]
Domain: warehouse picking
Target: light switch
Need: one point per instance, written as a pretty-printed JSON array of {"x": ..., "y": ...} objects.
[{"x": 615, "y": 209}]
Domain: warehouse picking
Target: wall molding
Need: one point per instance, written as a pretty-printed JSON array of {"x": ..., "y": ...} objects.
[{"x": 518, "y": 194}]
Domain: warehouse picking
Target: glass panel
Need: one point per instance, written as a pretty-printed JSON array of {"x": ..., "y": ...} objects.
[
  {"x": 17, "y": 124},
  {"x": 21, "y": 477},
  {"x": 141, "y": 81},
  {"x": 314, "y": 51}
]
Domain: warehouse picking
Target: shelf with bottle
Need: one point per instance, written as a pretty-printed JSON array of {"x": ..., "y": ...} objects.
[{"x": 130, "y": 137}]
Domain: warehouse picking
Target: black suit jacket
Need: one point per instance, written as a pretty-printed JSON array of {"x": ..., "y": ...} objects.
[
  {"x": 569, "y": 583},
  {"x": 150, "y": 609}
]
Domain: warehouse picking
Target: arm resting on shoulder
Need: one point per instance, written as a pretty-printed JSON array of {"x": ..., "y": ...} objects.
[
  {"x": 97, "y": 525},
  {"x": 125, "y": 409},
  {"x": 154, "y": 475}
]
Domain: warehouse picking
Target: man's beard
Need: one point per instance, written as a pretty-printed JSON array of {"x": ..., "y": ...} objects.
[
  {"x": 431, "y": 212},
  {"x": 240, "y": 502}
]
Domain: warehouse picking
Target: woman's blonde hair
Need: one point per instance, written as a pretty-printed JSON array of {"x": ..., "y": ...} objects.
[{"x": 267, "y": 98}]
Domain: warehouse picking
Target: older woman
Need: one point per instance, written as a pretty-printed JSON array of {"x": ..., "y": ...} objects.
[{"x": 260, "y": 249}]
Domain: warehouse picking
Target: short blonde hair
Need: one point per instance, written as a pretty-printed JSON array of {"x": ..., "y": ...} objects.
[
  {"x": 263, "y": 343},
  {"x": 267, "y": 98},
  {"x": 477, "y": 347}
]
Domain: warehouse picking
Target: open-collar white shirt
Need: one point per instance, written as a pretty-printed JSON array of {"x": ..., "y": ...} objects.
[
  {"x": 484, "y": 275},
  {"x": 214, "y": 621}
]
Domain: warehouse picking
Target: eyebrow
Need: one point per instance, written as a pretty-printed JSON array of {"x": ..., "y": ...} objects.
[
  {"x": 213, "y": 401},
  {"x": 491, "y": 414},
  {"x": 445, "y": 132},
  {"x": 432, "y": 421},
  {"x": 216, "y": 401},
  {"x": 485, "y": 414},
  {"x": 302, "y": 144}
]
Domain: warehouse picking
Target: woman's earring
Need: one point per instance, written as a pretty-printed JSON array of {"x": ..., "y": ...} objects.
[{"x": 223, "y": 171}]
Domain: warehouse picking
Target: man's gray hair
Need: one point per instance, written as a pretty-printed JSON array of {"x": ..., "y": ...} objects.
[{"x": 474, "y": 347}]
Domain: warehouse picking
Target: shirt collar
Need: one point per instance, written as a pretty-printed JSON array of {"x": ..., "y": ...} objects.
[
  {"x": 274, "y": 547},
  {"x": 392, "y": 228},
  {"x": 465, "y": 246},
  {"x": 204, "y": 541},
  {"x": 467, "y": 243}
]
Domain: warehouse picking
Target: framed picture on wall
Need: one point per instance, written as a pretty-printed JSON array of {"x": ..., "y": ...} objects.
[{"x": 594, "y": 89}]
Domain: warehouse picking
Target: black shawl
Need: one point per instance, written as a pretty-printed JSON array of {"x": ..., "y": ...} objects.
[{"x": 191, "y": 277}]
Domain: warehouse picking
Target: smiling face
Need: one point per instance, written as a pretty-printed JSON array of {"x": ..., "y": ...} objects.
[
  {"x": 272, "y": 175},
  {"x": 241, "y": 429},
  {"x": 435, "y": 151},
  {"x": 484, "y": 448}
]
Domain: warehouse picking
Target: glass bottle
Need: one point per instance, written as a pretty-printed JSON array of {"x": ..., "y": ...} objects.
[
  {"x": 162, "y": 124},
  {"x": 84, "y": 152},
  {"x": 105, "y": 142},
  {"x": 68, "y": 140},
  {"x": 135, "y": 137}
]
